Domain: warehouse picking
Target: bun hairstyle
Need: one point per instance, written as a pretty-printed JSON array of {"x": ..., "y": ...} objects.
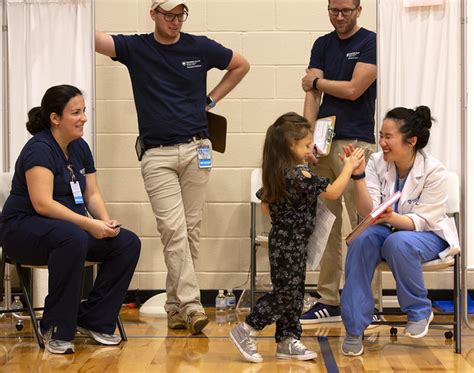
[
  {"x": 413, "y": 123},
  {"x": 54, "y": 101}
]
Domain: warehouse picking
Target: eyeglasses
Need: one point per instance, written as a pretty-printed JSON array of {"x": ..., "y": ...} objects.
[
  {"x": 346, "y": 12},
  {"x": 170, "y": 17}
]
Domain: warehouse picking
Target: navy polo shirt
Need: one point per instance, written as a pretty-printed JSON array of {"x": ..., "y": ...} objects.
[
  {"x": 169, "y": 83},
  {"x": 337, "y": 59},
  {"x": 43, "y": 150}
]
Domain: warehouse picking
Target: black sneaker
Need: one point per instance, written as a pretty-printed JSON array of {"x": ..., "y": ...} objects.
[
  {"x": 376, "y": 320},
  {"x": 321, "y": 313}
]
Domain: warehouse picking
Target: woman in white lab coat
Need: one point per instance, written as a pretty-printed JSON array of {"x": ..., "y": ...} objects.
[{"x": 414, "y": 230}]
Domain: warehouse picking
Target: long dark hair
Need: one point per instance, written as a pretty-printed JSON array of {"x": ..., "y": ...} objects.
[
  {"x": 54, "y": 100},
  {"x": 277, "y": 154},
  {"x": 413, "y": 123}
]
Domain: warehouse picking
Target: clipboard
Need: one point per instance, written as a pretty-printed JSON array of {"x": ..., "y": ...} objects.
[
  {"x": 373, "y": 216},
  {"x": 323, "y": 135},
  {"x": 217, "y": 125}
]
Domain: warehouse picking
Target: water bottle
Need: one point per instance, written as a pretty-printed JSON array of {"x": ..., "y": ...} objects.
[
  {"x": 230, "y": 300},
  {"x": 17, "y": 305},
  {"x": 221, "y": 301},
  {"x": 2, "y": 307}
]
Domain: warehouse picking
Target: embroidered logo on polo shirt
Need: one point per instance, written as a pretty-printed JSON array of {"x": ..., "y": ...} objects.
[
  {"x": 352, "y": 55},
  {"x": 192, "y": 64},
  {"x": 82, "y": 171}
]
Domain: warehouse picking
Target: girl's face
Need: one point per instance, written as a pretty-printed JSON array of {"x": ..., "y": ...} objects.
[
  {"x": 394, "y": 148},
  {"x": 302, "y": 148}
]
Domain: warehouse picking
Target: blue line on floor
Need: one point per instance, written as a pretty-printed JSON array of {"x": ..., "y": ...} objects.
[{"x": 328, "y": 356}]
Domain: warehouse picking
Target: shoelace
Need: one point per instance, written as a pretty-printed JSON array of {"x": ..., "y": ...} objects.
[
  {"x": 251, "y": 343},
  {"x": 298, "y": 345}
]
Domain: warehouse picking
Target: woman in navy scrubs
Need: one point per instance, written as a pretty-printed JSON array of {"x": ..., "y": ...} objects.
[{"x": 56, "y": 215}]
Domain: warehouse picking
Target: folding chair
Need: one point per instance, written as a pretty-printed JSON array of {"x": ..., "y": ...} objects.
[
  {"x": 5, "y": 183},
  {"x": 450, "y": 262},
  {"x": 256, "y": 240}
]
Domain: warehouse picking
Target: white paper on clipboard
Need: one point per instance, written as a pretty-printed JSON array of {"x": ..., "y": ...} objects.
[
  {"x": 319, "y": 238},
  {"x": 323, "y": 134}
]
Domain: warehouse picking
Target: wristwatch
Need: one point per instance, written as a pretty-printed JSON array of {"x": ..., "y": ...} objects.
[{"x": 210, "y": 102}]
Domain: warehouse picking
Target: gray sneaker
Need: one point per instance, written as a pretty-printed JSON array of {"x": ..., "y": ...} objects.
[
  {"x": 352, "y": 345},
  {"x": 56, "y": 346},
  {"x": 245, "y": 342},
  {"x": 418, "y": 329},
  {"x": 292, "y": 348},
  {"x": 102, "y": 338}
]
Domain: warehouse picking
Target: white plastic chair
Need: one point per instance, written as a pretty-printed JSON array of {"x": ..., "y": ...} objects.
[{"x": 450, "y": 261}]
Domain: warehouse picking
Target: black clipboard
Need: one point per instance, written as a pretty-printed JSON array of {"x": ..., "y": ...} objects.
[{"x": 217, "y": 125}]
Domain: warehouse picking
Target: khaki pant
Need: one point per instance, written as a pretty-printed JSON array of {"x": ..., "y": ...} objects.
[
  {"x": 332, "y": 260},
  {"x": 176, "y": 187}
]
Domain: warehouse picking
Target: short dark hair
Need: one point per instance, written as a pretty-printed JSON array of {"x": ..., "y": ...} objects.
[
  {"x": 54, "y": 100},
  {"x": 413, "y": 123},
  {"x": 355, "y": 2}
]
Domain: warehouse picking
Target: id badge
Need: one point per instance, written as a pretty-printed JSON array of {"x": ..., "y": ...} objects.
[
  {"x": 76, "y": 192},
  {"x": 204, "y": 156}
]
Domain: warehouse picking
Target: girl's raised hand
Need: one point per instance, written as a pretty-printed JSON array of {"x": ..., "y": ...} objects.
[{"x": 356, "y": 157}]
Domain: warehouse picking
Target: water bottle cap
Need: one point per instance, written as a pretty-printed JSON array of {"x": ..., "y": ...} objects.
[
  {"x": 229, "y": 290},
  {"x": 16, "y": 297},
  {"x": 221, "y": 291}
]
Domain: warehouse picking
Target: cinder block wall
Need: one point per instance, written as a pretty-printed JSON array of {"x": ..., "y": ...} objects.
[{"x": 276, "y": 37}]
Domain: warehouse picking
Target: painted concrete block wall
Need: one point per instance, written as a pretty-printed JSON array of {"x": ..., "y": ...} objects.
[{"x": 276, "y": 37}]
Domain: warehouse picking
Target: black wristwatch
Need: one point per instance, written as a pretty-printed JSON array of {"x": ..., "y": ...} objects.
[
  {"x": 210, "y": 102},
  {"x": 358, "y": 177}
]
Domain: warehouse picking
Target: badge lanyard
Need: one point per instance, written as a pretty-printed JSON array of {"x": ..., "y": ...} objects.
[
  {"x": 75, "y": 186},
  {"x": 204, "y": 156}
]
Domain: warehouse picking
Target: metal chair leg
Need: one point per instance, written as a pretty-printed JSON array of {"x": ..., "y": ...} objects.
[
  {"x": 121, "y": 329},
  {"x": 457, "y": 305},
  {"x": 29, "y": 307}
]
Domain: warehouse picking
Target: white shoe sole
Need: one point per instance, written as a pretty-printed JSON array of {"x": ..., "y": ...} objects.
[
  {"x": 321, "y": 321},
  {"x": 244, "y": 354},
  {"x": 425, "y": 332},
  {"x": 97, "y": 338},
  {"x": 350, "y": 353},
  {"x": 311, "y": 356}
]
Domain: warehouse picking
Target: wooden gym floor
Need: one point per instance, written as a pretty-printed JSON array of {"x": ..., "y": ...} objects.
[{"x": 153, "y": 348}]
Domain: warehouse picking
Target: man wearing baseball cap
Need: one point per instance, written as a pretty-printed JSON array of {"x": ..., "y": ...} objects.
[{"x": 168, "y": 70}]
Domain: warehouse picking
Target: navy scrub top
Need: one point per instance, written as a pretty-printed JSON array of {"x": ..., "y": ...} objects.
[{"x": 43, "y": 150}]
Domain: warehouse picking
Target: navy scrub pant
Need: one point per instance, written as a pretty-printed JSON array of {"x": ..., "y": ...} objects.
[
  {"x": 404, "y": 251},
  {"x": 64, "y": 247}
]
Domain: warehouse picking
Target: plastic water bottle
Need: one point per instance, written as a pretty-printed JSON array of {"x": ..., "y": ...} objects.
[
  {"x": 221, "y": 301},
  {"x": 230, "y": 300},
  {"x": 17, "y": 305},
  {"x": 2, "y": 307}
]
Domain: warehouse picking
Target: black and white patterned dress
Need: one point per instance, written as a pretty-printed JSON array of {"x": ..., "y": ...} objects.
[{"x": 293, "y": 219}]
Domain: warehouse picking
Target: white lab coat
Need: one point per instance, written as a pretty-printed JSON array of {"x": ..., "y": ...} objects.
[{"x": 423, "y": 197}]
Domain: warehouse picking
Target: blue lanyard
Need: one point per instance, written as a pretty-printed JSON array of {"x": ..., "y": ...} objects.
[{"x": 399, "y": 184}]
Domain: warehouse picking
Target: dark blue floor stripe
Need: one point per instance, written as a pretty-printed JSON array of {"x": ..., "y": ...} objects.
[{"x": 328, "y": 357}]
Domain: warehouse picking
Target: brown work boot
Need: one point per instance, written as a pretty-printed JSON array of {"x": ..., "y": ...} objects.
[
  {"x": 175, "y": 321},
  {"x": 197, "y": 321}
]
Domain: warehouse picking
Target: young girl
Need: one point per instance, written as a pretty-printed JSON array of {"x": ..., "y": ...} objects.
[{"x": 291, "y": 191}]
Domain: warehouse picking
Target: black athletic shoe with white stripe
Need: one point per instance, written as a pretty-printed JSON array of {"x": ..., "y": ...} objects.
[{"x": 321, "y": 313}]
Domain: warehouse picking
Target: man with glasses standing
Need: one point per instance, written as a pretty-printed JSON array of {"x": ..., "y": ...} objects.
[
  {"x": 340, "y": 81},
  {"x": 168, "y": 70}
]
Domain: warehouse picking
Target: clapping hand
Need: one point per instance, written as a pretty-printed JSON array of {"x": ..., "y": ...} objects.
[
  {"x": 348, "y": 151},
  {"x": 355, "y": 157}
]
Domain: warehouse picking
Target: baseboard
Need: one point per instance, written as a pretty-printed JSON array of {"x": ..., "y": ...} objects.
[{"x": 208, "y": 296}]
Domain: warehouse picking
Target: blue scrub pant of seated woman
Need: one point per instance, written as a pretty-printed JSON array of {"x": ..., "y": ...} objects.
[
  {"x": 64, "y": 247},
  {"x": 404, "y": 251}
]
